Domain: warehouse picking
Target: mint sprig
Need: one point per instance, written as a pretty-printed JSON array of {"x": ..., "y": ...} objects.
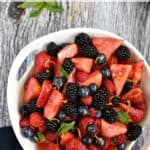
[
  {"x": 64, "y": 74},
  {"x": 51, "y": 6},
  {"x": 41, "y": 137},
  {"x": 123, "y": 116}
]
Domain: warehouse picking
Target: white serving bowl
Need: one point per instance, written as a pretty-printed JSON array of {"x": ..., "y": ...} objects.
[{"x": 15, "y": 88}]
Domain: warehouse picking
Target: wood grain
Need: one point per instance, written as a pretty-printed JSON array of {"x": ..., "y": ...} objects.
[{"x": 129, "y": 20}]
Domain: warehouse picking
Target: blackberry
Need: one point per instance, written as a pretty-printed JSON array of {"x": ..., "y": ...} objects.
[
  {"x": 88, "y": 51},
  {"x": 100, "y": 98},
  {"x": 123, "y": 53},
  {"x": 127, "y": 87},
  {"x": 53, "y": 49},
  {"x": 115, "y": 100},
  {"x": 72, "y": 91},
  {"x": 109, "y": 114},
  {"x": 29, "y": 108},
  {"x": 52, "y": 125},
  {"x": 45, "y": 75},
  {"x": 68, "y": 65},
  {"x": 82, "y": 39},
  {"x": 134, "y": 130},
  {"x": 59, "y": 82},
  {"x": 71, "y": 110}
]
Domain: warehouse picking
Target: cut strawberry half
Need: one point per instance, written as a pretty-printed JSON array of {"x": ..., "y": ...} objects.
[
  {"x": 65, "y": 138},
  {"x": 135, "y": 114},
  {"x": 44, "y": 95},
  {"x": 120, "y": 74},
  {"x": 25, "y": 122},
  {"x": 48, "y": 146},
  {"x": 111, "y": 130},
  {"x": 83, "y": 64},
  {"x": 51, "y": 136},
  {"x": 106, "y": 46},
  {"x": 94, "y": 77},
  {"x": 53, "y": 105},
  {"x": 32, "y": 90},
  {"x": 42, "y": 62},
  {"x": 107, "y": 143}
]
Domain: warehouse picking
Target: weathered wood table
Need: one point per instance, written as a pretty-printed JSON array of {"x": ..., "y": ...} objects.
[{"x": 129, "y": 20}]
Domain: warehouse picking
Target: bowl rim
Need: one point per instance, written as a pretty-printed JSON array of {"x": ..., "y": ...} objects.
[{"x": 25, "y": 51}]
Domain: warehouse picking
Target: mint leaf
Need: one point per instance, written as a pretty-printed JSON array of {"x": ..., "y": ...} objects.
[
  {"x": 54, "y": 7},
  {"x": 65, "y": 127},
  {"x": 41, "y": 137},
  {"x": 123, "y": 116},
  {"x": 64, "y": 74},
  {"x": 27, "y": 5}
]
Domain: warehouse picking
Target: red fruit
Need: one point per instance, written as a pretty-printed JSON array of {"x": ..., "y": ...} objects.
[
  {"x": 65, "y": 138},
  {"x": 120, "y": 74},
  {"x": 53, "y": 105},
  {"x": 87, "y": 101},
  {"x": 75, "y": 144},
  {"x": 42, "y": 62},
  {"x": 48, "y": 146},
  {"x": 36, "y": 119},
  {"x": 32, "y": 90},
  {"x": 51, "y": 136},
  {"x": 25, "y": 122},
  {"x": 141, "y": 105},
  {"x": 111, "y": 130},
  {"x": 121, "y": 139},
  {"x": 94, "y": 77},
  {"x": 97, "y": 122},
  {"x": 112, "y": 147},
  {"x": 93, "y": 147},
  {"x": 81, "y": 76},
  {"x": 42, "y": 129},
  {"x": 92, "y": 112},
  {"x": 45, "y": 92},
  {"x": 109, "y": 86},
  {"x": 112, "y": 60},
  {"x": 83, "y": 124},
  {"x": 135, "y": 114},
  {"x": 71, "y": 77},
  {"x": 137, "y": 71},
  {"x": 83, "y": 64},
  {"x": 106, "y": 45},
  {"x": 107, "y": 143}
]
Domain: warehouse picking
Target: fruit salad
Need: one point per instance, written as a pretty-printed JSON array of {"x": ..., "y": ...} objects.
[{"x": 83, "y": 96}]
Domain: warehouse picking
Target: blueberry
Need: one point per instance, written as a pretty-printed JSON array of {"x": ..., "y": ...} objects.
[
  {"x": 87, "y": 140},
  {"x": 59, "y": 82},
  {"x": 83, "y": 110},
  {"x": 98, "y": 113},
  {"x": 99, "y": 141},
  {"x": 101, "y": 59},
  {"x": 34, "y": 138},
  {"x": 61, "y": 115},
  {"x": 106, "y": 72},
  {"x": 83, "y": 91},
  {"x": 91, "y": 129},
  {"x": 27, "y": 132},
  {"x": 93, "y": 88},
  {"x": 121, "y": 146}
]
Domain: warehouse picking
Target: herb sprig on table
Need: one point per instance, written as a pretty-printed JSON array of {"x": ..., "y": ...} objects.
[{"x": 51, "y": 6}]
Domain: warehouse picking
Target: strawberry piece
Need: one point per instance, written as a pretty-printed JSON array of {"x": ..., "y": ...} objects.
[
  {"x": 97, "y": 122},
  {"x": 107, "y": 143},
  {"x": 45, "y": 92},
  {"x": 42, "y": 129},
  {"x": 32, "y": 90},
  {"x": 121, "y": 139},
  {"x": 137, "y": 70},
  {"x": 83, "y": 124},
  {"x": 83, "y": 64},
  {"x": 51, "y": 136},
  {"x": 48, "y": 146},
  {"x": 120, "y": 74},
  {"x": 65, "y": 138},
  {"x": 109, "y": 86},
  {"x": 42, "y": 62},
  {"x": 87, "y": 100},
  {"x": 24, "y": 122},
  {"x": 111, "y": 130},
  {"x": 71, "y": 77},
  {"x": 112, "y": 147},
  {"x": 92, "y": 112},
  {"x": 142, "y": 105},
  {"x": 94, "y": 77},
  {"x": 96, "y": 67},
  {"x": 75, "y": 144},
  {"x": 106, "y": 46},
  {"x": 53, "y": 105},
  {"x": 81, "y": 76},
  {"x": 67, "y": 52},
  {"x": 36, "y": 119},
  {"x": 135, "y": 114},
  {"x": 112, "y": 60},
  {"x": 93, "y": 147}
]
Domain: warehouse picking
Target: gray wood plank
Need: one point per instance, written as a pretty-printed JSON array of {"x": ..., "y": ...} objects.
[{"x": 129, "y": 20}]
